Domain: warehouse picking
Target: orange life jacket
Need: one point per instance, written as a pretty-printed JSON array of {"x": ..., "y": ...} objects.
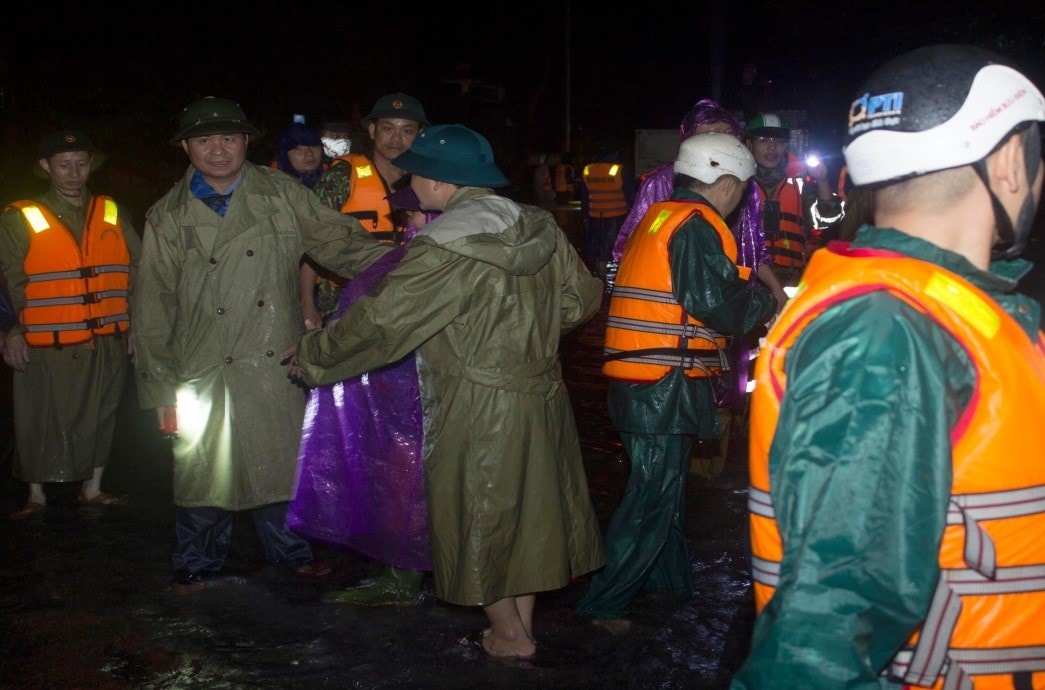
[
  {"x": 563, "y": 177},
  {"x": 786, "y": 244},
  {"x": 605, "y": 190},
  {"x": 987, "y": 620},
  {"x": 367, "y": 200},
  {"x": 648, "y": 333},
  {"x": 74, "y": 292}
]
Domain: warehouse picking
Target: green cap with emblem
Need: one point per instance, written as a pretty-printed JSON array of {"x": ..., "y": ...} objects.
[
  {"x": 398, "y": 106},
  {"x": 62, "y": 141}
]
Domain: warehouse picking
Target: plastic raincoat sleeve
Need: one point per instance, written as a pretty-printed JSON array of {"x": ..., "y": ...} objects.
[
  {"x": 709, "y": 287},
  {"x": 420, "y": 299},
  {"x": 335, "y": 240},
  {"x": 860, "y": 486},
  {"x": 581, "y": 292}
]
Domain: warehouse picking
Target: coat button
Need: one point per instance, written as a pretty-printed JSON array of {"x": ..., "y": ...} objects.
[
  {"x": 261, "y": 303},
  {"x": 228, "y": 360},
  {"x": 213, "y": 260},
  {"x": 1023, "y": 309},
  {"x": 250, "y": 252},
  {"x": 270, "y": 353},
  {"x": 221, "y": 311}
]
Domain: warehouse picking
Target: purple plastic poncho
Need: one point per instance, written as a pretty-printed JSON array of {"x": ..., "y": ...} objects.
[{"x": 360, "y": 478}]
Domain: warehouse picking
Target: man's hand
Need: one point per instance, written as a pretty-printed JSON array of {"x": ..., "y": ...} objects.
[
  {"x": 289, "y": 357},
  {"x": 16, "y": 352}
]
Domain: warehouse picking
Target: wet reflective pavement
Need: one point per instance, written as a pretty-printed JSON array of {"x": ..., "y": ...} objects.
[{"x": 86, "y": 601}]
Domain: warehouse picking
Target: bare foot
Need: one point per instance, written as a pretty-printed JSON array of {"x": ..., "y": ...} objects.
[{"x": 502, "y": 648}]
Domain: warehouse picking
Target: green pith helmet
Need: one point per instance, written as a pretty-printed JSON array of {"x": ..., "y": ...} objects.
[
  {"x": 767, "y": 125},
  {"x": 212, "y": 116}
]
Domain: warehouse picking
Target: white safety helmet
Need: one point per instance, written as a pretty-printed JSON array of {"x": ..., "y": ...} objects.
[
  {"x": 942, "y": 107},
  {"x": 707, "y": 157},
  {"x": 935, "y": 108}
]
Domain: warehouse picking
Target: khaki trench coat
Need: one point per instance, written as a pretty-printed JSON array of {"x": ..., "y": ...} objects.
[
  {"x": 218, "y": 302},
  {"x": 483, "y": 294}
]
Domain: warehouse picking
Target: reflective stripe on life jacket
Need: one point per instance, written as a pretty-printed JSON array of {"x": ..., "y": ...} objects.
[
  {"x": 648, "y": 333},
  {"x": 74, "y": 293},
  {"x": 785, "y": 235},
  {"x": 605, "y": 190},
  {"x": 367, "y": 200},
  {"x": 985, "y": 625}
]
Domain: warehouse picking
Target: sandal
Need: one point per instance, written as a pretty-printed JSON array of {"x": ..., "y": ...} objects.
[
  {"x": 30, "y": 509},
  {"x": 104, "y": 498}
]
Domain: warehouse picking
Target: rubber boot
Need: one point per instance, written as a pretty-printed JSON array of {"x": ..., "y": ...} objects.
[{"x": 391, "y": 587}]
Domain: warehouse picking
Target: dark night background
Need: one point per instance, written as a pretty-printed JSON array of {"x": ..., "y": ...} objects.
[{"x": 121, "y": 72}]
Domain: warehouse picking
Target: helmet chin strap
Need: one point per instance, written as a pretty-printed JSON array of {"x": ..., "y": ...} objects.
[{"x": 1014, "y": 238}]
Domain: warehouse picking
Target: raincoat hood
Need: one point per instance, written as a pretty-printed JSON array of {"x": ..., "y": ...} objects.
[{"x": 515, "y": 238}]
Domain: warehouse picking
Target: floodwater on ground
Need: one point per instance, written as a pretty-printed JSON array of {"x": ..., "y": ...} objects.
[{"x": 86, "y": 601}]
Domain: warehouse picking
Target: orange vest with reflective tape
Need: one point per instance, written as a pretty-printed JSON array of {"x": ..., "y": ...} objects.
[
  {"x": 367, "y": 200},
  {"x": 987, "y": 619},
  {"x": 786, "y": 244},
  {"x": 605, "y": 190},
  {"x": 648, "y": 333},
  {"x": 74, "y": 292}
]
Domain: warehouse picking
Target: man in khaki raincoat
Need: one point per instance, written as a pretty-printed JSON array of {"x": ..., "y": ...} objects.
[
  {"x": 218, "y": 295},
  {"x": 483, "y": 294},
  {"x": 69, "y": 350}
]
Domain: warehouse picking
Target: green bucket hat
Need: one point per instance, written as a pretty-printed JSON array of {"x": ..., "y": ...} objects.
[
  {"x": 398, "y": 106},
  {"x": 454, "y": 154},
  {"x": 212, "y": 115},
  {"x": 62, "y": 141}
]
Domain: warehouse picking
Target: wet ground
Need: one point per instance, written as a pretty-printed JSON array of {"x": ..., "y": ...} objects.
[{"x": 86, "y": 602}]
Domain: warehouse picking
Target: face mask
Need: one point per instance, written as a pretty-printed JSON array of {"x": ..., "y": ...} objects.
[{"x": 336, "y": 147}]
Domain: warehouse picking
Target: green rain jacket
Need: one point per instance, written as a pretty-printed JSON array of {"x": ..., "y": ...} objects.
[
  {"x": 709, "y": 287},
  {"x": 483, "y": 294},
  {"x": 861, "y": 480},
  {"x": 218, "y": 302}
]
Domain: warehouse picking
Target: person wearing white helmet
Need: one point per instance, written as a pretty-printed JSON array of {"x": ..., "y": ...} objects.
[
  {"x": 897, "y": 498},
  {"x": 678, "y": 299}
]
